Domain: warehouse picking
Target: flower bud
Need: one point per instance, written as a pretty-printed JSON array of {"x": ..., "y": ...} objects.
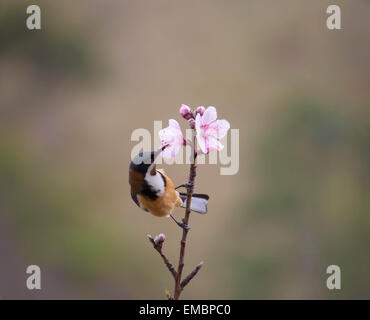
[
  {"x": 159, "y": 239},
  {"x": 200, "y": 110},
  {"x": 185, "y": 112},
  {"x": 191, "y": 123}
]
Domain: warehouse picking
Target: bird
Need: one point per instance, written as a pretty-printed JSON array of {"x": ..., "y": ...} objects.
[{"x": 154, "y": 192}]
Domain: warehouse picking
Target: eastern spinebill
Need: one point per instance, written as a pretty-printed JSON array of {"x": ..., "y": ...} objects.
[{"x": 153, "y": 191}]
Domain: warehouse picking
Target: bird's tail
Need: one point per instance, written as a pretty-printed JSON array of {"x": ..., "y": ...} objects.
[{"x": 198, "y": 202}]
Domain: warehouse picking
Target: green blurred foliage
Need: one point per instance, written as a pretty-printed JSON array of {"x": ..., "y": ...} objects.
[
  {"x": 56, "y": 50},
  {"x": 53, "y": 222},
  {"x": 46, "y": 206},
  {"x": 312, "y": 183}
]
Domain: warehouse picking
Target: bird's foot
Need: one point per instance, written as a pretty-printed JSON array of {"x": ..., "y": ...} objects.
[
  {"x": 186, "y": 185},
  {"x": 180, "y": 224}
]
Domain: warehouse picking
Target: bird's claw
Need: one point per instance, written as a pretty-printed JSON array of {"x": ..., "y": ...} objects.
[
  {"x": 187, "y": 185},
  {"x": 184, "y": 226},
  {"x": 180, "y": 224}
]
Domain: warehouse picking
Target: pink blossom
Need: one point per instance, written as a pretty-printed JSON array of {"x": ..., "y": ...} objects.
[
  {"x": 210, "y": 130},
  {"x": 185, "y": 112},
  {"x": 200, "y": 110},
  {"x": 172, "y": 138}
]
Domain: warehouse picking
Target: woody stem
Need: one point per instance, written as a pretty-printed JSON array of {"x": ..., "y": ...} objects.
[
  {"x": 163, "y": 256},
  {"x": 190, "y": 189}
]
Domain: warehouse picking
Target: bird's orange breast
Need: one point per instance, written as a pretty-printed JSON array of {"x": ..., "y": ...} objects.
[{"x": 163, "y": 205}]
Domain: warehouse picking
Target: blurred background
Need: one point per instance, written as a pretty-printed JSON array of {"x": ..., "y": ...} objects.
[{"x": 72, "y": 93}]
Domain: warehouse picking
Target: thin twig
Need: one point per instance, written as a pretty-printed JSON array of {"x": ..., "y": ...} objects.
[
  {"x": 191, "y": 275},
  {"x": 165, "y": 259}
]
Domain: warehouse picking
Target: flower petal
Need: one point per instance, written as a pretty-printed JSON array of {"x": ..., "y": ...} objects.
[
  {"x": 201, "y": 141},
  {"x": 172, "y": 123},
  {"x": 218, "y": 129},
  {"x": 169, "y": 152},
  {"x": 171, "y": 137},
  {"x": 167, "y": 135},
  {"x": 209, "y": 115},
  {"x": 213, "y": 144},
  {"x": 198, "y": 122}
]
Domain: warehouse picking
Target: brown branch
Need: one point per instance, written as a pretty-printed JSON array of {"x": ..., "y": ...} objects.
[
  {"x": 190, "y": 189},
  {"x": 158, "y": 247},
  {"x": 191, "y": 275}
]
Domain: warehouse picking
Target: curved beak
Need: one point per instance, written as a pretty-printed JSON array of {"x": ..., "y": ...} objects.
[{"x": 157, "y": 153}]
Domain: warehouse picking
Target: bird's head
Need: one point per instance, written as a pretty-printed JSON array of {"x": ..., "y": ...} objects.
[{"x": 145, "y": 161}]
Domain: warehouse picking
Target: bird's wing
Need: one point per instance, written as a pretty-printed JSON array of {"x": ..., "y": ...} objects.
[{"x": 198, "y": 202}]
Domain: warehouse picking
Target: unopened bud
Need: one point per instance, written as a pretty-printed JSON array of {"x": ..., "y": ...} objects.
[
  {"x": 185, "y": 112},
  {"x": 159, "y": 239},
  {"x": 191, "y": 123},
  {"x": 200, "y": 110}
]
